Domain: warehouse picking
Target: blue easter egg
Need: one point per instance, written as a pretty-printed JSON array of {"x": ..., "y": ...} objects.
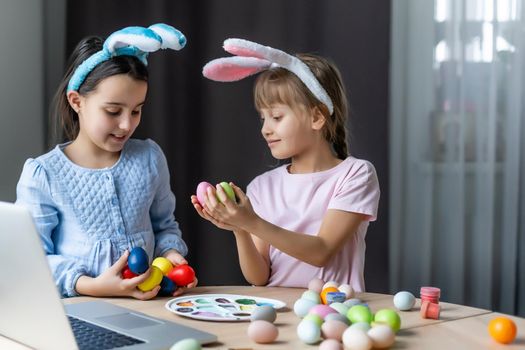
[
  {"x": 404, "y": 300},
  {"x": 138, "y": 261},
  {"x": 167, "y": 287}
]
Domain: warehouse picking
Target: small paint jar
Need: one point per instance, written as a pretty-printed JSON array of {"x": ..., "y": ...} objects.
[
  {"x": 335, "y": 297},
  {"x": 430, "y": 310},
  {"x": 430, "y": 294}
]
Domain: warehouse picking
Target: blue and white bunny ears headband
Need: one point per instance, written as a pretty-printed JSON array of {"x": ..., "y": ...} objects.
[
  {"x": 251, "y": 58},
  {"x": 130, "y": 41}
]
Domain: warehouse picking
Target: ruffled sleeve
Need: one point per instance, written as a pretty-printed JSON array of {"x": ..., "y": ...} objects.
[{"x": 33, "y": 191}]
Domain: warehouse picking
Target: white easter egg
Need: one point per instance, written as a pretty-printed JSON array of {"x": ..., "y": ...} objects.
[
  {"x": 330, "y": 284},
  {"x": 404, "y": 301},
  {"x": 382, "y": 336},
  {"x": 347, "y": 289},
  {"x": 356, "y": 339},
  {"x": 308, "y": 331},
  {"x": 302, "y": 306}
]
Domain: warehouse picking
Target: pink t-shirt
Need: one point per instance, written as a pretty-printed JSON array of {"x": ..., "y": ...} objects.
[{"x": 298, "y": 202}]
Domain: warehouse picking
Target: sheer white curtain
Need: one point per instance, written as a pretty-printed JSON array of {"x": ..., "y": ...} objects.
[{"x": 457, "y": 107}]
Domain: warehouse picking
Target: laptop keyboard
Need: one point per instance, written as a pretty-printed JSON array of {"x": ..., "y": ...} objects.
[{"x": 90, "y": 336}]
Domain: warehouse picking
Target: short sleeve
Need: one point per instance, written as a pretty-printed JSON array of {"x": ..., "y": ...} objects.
[
  {"x": 358, "y": 192},
  {"x": 252, "y": 191}
]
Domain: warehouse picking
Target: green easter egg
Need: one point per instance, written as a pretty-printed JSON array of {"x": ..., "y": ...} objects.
[
  {"x": 388, "y": 317},
  {"x": 315, "y": 318},
  {"x": 359, "y": 313},
  {"x": 187, "y": 344},
  {"x": 311, "y": 295},
  {"x": 229, "y": 190}
]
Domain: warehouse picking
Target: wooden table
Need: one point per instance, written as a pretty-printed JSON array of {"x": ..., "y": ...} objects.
[{"x": 459, "y": 327}]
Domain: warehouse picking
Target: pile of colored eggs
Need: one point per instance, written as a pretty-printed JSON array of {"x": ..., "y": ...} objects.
[
  {"x": 162, "y": 272},
  {"x": 342, "y": 320},
  {"x": 261, "y": 329},
  {"x": 331, "y": 291}
]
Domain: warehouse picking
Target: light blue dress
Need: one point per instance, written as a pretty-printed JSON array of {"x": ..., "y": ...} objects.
[{"x": 87, "y": 218}]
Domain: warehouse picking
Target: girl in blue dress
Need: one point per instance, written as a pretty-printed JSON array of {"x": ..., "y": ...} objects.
[{"x": 102, "y": 193}]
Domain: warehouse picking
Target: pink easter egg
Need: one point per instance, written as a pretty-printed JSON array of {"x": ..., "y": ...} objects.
[
  {"x": 330, "y": 344},
  {"x": 316, "y": 285},
  {"x": 333, "y": 329},
  {"x": 322, "y": 310},
  {"x": 202, "y": 188},
  {"x": 262, "y": 332}
]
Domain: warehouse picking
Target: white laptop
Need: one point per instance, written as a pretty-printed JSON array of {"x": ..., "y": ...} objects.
[{"x": 32, "y": 313}]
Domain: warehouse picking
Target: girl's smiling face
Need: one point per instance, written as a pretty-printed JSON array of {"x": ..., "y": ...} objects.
[
  {"x": 288, "y": 132},
  {"x": 109, "y": 115}
]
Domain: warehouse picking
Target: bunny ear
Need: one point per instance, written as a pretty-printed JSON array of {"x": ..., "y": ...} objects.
[
  {"x": 129, "y": 41},
  {"x": 252, "y": 58},
  {"x": 234, "y": 68},
  {"x": 242, "y": 47},
  {"x": 171, "y": 37},
  {"x": 144, "y": 39}
]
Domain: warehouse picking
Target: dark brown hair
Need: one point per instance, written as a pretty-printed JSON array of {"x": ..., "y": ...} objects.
[
  {"x": 279, "y": 85},
  {"x": 64, "y": 119}
]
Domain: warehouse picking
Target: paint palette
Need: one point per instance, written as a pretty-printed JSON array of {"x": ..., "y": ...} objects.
[{"x": 219, "y": 307}]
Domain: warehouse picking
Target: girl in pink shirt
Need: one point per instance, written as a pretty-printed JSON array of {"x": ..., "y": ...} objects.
[{"x": 308, "y": 218}]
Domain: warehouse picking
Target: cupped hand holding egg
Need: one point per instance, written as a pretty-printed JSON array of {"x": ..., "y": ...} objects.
[{"x": 202, "y": 190}]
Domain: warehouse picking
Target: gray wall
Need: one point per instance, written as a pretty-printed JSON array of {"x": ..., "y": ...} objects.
[{"x": 22, "y": 112}]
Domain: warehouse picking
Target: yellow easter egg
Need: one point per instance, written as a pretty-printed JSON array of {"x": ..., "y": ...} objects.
[
  {"x": 163, "y": 264},
  {"x": 153, "y": 280}
]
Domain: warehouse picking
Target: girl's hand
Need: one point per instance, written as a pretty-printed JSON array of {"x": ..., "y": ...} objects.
[
  {"x": 205, "y": 215},
  {"x": 177, "y": 259},
  {"x": 226, "y": 212},
  {"x": 111, "y": 283}
]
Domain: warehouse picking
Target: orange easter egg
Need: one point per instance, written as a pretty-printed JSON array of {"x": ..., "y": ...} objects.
[{"x": 326, "y": 291}]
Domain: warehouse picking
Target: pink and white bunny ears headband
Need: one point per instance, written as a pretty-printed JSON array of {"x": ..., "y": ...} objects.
[
  {"x": 251, "y": 58},
  {"x": 130, "y": 41}
]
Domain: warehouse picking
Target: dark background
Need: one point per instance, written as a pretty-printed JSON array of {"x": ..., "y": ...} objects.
[{"x": 209, "y": 131}]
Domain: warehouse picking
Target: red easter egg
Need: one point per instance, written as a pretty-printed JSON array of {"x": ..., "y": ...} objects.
[
  {"x": 181, "y": 275},
  {"x": 127, "y": 273}
]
